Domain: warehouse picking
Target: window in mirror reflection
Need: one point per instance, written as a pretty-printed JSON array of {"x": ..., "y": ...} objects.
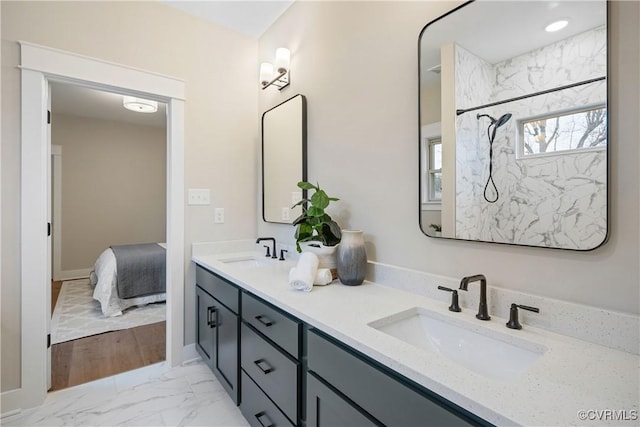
[
  {"x": 569, "y": 131},
  {"x": 434, "y": 177}
]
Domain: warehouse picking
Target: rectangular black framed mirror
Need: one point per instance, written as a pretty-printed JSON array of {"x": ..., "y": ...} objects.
[
  {"x": 284, "y": 159},
  {"x": 513, "y": 124}
]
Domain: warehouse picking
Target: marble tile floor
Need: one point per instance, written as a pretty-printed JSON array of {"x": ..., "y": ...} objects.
[{"x": 156, "y": 395}]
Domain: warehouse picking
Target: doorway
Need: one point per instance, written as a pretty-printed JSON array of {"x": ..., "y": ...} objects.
[
  {"x": 109, "y": 188},
  {"x": 40, "y": 65}
]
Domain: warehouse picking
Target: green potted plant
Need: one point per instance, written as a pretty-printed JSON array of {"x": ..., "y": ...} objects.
[{"x": 315, "y": 227}]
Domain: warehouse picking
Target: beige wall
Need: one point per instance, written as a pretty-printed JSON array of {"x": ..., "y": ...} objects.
[
  {"x": 430, "y": 97},
  {"x": 360, "y": 78},
  {"x": 357, "y": 64},
  {"x": 219, "y": 68},
  {"x": 113, "y": 186}
]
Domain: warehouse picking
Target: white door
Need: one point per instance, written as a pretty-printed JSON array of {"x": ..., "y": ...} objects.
[{"x": 49, "y": 228}]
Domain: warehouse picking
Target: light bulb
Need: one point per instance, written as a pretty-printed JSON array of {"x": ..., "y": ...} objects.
[
  {"x": 556, "y": 26},
  {"x": 266, "y": 73},
  {"x": 283, "y": 57}
]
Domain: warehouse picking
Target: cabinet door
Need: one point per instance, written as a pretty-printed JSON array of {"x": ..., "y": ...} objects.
[
  {"x": 386, "y": 398},
  {"x": 225, "y": 363},
  {"x": 205, "y": 333},
  {"x": 326, "y": 408}
]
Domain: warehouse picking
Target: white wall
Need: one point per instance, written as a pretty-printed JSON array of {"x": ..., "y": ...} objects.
[
  {"x": 219, "y": 68},
  {"x": 357, "y": 64},
  {"x": 113, "y": 186}
]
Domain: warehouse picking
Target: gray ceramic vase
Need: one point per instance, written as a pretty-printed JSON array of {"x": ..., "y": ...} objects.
[{"x": 352, "y": 258}]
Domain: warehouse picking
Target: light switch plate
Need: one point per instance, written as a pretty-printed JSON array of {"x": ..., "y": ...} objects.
[{"x": 199, "y": 196}]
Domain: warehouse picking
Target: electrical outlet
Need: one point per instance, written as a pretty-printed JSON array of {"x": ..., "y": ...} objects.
[
  {"x": 199, "y": 196},
  {"x": 218, "y": 215},
  {"x": 285, "y": 214}
]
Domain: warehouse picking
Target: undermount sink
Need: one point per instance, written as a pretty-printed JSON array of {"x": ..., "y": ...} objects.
[
  {"x": 249, "y": 261},
  {"x": 477, "y": 348}
]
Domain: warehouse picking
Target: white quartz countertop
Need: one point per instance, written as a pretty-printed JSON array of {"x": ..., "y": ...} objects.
[{"x": 573, "y": 383}]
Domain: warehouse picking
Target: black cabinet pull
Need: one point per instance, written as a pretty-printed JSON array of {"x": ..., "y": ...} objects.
[
  {"x": 263, "y": 415},
  {"x": 261, "y": 362},
  {"x": 210, "y": 320},
  {"x": 264, "y": 320}
]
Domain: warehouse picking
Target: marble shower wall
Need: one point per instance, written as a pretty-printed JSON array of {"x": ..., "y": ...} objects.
[{"x": 556, "y": 200}]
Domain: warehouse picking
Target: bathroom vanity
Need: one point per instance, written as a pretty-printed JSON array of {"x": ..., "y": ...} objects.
[
  {"x": 289, "y": 368},
  {"x": 333, "y": 357}
]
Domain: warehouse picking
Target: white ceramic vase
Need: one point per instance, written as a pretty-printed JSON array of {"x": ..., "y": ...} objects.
[{"x": 326, "y": 254}]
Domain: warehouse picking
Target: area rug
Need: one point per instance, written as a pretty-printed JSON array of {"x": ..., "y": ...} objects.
[{"x": 78, "y": 315}]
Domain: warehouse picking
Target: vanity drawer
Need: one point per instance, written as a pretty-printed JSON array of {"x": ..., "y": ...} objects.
[
  {"x": 257, "y": 408},
  {"x": 268, "y": 320},
  {"x": 218, "y": 287},
  {"x": 382, "y": 396},
  {"x": 272, "y": 370}
]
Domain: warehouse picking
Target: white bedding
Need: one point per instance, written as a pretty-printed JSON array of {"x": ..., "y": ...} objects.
[{"x": 105, "y": 279}]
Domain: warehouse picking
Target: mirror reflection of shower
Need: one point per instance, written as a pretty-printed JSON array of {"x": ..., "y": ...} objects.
[{"x": 491, "y": 135}]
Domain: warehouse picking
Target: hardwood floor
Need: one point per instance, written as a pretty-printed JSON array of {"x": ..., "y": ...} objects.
[{"x": 99, "y": 356}]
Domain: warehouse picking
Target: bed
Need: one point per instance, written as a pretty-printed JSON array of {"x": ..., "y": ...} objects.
[{"x": 105, "y": 278}]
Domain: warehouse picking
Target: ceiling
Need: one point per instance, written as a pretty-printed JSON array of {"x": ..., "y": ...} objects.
[
  {"x": 498, "y": 30},
  {"x": 251, "y": 18},
  {"x": 85, "y": 102}
]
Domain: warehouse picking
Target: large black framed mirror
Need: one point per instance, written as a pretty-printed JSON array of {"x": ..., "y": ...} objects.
[
  {"x": 513, "y": 124},
  {"x": 284, "y": 159}
]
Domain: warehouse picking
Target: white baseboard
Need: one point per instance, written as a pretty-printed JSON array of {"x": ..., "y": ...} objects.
[
  {"x": 73, "y": 274},
  {"x": 189, "y": 353},
  {"x": 10, "y": 402}
]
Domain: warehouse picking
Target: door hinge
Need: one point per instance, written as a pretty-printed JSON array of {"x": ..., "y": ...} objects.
[
  {"x": 48, "y": 229},
  {"x": 48, "y": 340},
  {"x": 48, "y": 116}
]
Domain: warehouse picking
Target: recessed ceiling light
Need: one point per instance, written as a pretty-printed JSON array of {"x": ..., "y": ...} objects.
[
  {"x": 139, "y": 105},
  {"x": 556, "y": 25}
]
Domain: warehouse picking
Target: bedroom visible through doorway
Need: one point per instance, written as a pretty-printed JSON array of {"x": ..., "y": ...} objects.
[{"x": 111, "y": 185}]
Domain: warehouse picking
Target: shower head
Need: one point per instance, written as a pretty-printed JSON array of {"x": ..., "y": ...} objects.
[
  {"x": 503, "y": 120},
  {"x": 497, "y": 123}
]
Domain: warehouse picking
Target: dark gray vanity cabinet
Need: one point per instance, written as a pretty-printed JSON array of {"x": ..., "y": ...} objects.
[
  {"x": 283, "y": 372},
  {"x": 217, "y": 328},
  {"x": 346, "y": 386},
  {"x": 326, "y": 408},
  {"x": 270, "y": 362}
]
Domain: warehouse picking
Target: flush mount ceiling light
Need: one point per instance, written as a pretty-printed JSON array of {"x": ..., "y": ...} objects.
[
  {"x": 139, "y": 104},
  {"x": 280, "y": 78},
  {"x": 556, "y": 25}
]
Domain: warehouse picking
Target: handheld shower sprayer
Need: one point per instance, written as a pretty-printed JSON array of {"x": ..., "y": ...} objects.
[
  {"x": 496, "y": 123},
  {"x": 491, "y": 135}
]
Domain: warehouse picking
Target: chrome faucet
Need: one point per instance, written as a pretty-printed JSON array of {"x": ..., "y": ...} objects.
[
  {"x": 273, "y": 241},
  {"x": 483, "y": 313}
]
